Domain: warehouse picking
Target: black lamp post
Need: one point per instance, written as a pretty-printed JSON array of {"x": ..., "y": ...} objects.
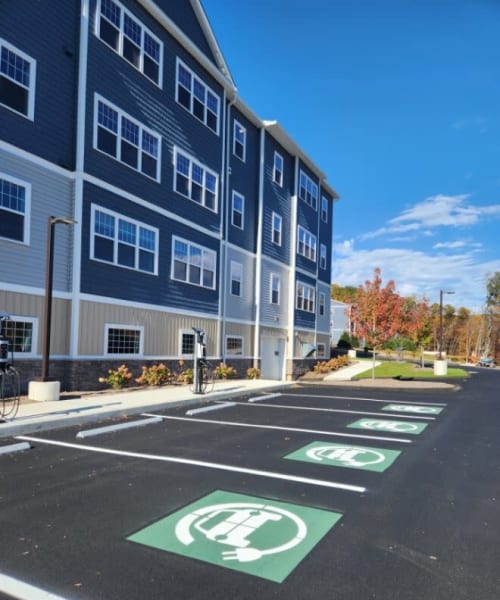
[
  {"x": 49, "y": 271},
  {"x": 441, "y": 294}
]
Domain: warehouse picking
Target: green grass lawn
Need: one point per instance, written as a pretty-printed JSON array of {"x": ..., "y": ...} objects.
[{"x": 406, "y": 369}]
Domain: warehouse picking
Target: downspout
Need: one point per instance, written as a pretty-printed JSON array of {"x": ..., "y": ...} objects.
[
  {"x": 258, "y": 254},
  {"x": 293, "y": 266},
  {"x": 79, "y": 175},
  {"x": 225, "y": 224}
]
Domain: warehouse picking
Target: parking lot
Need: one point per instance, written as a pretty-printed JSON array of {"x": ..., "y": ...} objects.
[{"x": 314, "y": 491}]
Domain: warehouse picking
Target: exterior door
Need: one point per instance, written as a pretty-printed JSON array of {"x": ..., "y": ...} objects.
[{"x": 273, "y": 357}]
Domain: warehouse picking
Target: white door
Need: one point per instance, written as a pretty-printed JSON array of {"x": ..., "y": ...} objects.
[{"x": 273, "y": 358}]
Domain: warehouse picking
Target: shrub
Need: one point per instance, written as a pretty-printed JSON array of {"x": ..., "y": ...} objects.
[
  {"x": 155, "y": 375},
  {"x": 253, "y": 373},
  {"x": 117, "y": 378},
  {"x": 185, "y": 376},
  {"x": 223, "y": 371}
]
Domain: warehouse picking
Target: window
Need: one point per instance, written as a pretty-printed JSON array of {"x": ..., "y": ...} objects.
[
  {"x": 17, "y": 80},
  {"x": 123, "y": 242},
  {"x": 195, "y": 181},
  {"x": 15, "y": 200},
  {"x": 197, "y": 97},
  {"x": 322, "y": 256},
  {"x": 275, "y": 288},
  {"x": 237, "y": 210},
  {"x": 239, "y": 141},
  {"x": 234, "y": 345},
  {"x": 322, "y": 304},
  {"x": 320, "y": 349},
  {"x": 187, "y": 343},
  {"x": 305, "y": 297},
  {"x": 120, "y": 30},
  {"x": 236, "y": 276},
  {"x": 123, "y": 339},
  {"x": 193, "y": 264},
  {"x": 276, "y": 231},
  {"x": 278, "y": 169},
  {"x": 22, "y": 335},
  {"x": 308, "y": 190},
  {"x": 324, "y": 209},
  {"x": 126, "y": 140},
  {"x": 306, "y": 244}
]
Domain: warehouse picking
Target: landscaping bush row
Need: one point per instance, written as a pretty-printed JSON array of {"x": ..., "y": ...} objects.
[{"x": 331, "y": 365}]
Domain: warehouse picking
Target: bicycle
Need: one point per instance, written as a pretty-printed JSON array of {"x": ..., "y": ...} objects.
[{"x": 10, "y": 387}]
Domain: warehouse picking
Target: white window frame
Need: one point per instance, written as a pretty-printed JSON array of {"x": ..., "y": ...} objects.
[
  {"x": 322, "y": 256},
  {"x": 321, "y": 304},
  {"x": 126, "y": 327},
  {"x": 195, "y": 165},
  {"x": 275, "y": 287},
  {"x": 27, "y": 208},
  {"x": 206, "y": 255},
  {"x": 279, "y": 230},
  {"x": 34, "y": 336},
  {"x": 117, "y": 241},
  {"x": 230, "y": 352},
  {"x": 324, "y": 209},
  {"x": 278, "y": 168},
  {"x": 321, "y": 349},
  {"x": 197, "y": 81},
  {"x": 121, "y": 115},
  {"x": 234, "y": 210},
  {"x": 236, "y": 276},
  {"x": 239, "y": 140},
  {"x": 30, "y": 88},
  {"x": 305, "y": 297},
  {"x": 183, "y": 332},
  {"x": 306, "y": 243},
  {"x": 122, "y": 36},
  {"x": 308, "y": 190}
]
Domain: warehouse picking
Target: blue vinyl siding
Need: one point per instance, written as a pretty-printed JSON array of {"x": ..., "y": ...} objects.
[
  {"x": 303, "y": 318},
  {"x": 308, "y": 217},
  {"x": 244, "y": 179},
  {"x": 277, "y": 199},
  {"x": 325, "y": 237},
  {"x": 51, "y": 134},
  {"x": 112, "y": 281}
]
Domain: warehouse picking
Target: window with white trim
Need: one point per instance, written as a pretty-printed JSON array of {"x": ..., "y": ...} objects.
[
  {"x": 320, "y": 349},
  {"x": 22, "y": 333},
  {"x": 236, "y": 278},
  {"x": 195, "y": 96},
  {"x": 305, "y": 297},
  {"x": 237, "y": 210},
  {"x": 187, "y": 342},
  {"x": 308, "y": 190},
  {"x": 120, "y": 136},
  {"x": 278, "y": 169},
  {"x": 123, "y": 339},
  {"x": 324, "y": 209},
  {"x": 275, "y": 288},
  {"x": 234, "y": 345},
  {"x": 193, "y": 264},
  {"x": 322, "y": 256},
  {"x": 123, "y": 242},
  {"x": 306, "y": 243},
  {"x": 277, "y": 225},
  {"x": 17, "y": 80},
  {"x": 121, "y": 30},
  {"x": 322, "y": 304},
  {"x": 15, "y": 206},
  {"x": 195, "y": 181},
  {"x": 239, "y": 141}
]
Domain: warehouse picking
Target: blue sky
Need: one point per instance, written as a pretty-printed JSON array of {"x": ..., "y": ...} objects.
[{"x": 398, "y": 103}]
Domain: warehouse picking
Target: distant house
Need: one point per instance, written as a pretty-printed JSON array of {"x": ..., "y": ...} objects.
[
  {"x": 340, "y": 320},
  {"x": 191, "y": 210}
]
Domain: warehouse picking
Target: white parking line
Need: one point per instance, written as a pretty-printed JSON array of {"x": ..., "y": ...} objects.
[
  {"x": 24, "y": 591},
  {"x": 363, "y": 399},
  {"x": 332, "y": 410},
  {"x": 197, "y": 463},
  {"x": 277, "y": 428}
]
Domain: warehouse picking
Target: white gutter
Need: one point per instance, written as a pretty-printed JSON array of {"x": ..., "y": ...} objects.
[
  {"x": 258, "y": 254},
  {"x": 293, "y": 265}
]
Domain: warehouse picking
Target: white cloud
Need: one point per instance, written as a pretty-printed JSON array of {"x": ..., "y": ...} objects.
[
  {"x": 457, "y": 244},
  {"x": 478, "y": 123}
]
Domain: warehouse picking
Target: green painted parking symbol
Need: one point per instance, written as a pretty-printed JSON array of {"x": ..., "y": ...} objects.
[
  {"x": 413, "y": 408},
  {"x": 342, "y": 455},
  {"x": 390, "y": 426},
  {"x": 260, "y": 537}
]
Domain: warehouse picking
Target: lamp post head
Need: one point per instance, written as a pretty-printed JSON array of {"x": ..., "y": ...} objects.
[{"x": 65, "y": 220}]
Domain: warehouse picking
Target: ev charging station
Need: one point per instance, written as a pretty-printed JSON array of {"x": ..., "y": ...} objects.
[
  {"x": 4, "y": 344},
  {"x": 199, "y": 359}
]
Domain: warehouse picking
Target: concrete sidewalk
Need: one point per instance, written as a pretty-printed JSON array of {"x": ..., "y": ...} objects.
[{"x": 91, "y": 407}]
